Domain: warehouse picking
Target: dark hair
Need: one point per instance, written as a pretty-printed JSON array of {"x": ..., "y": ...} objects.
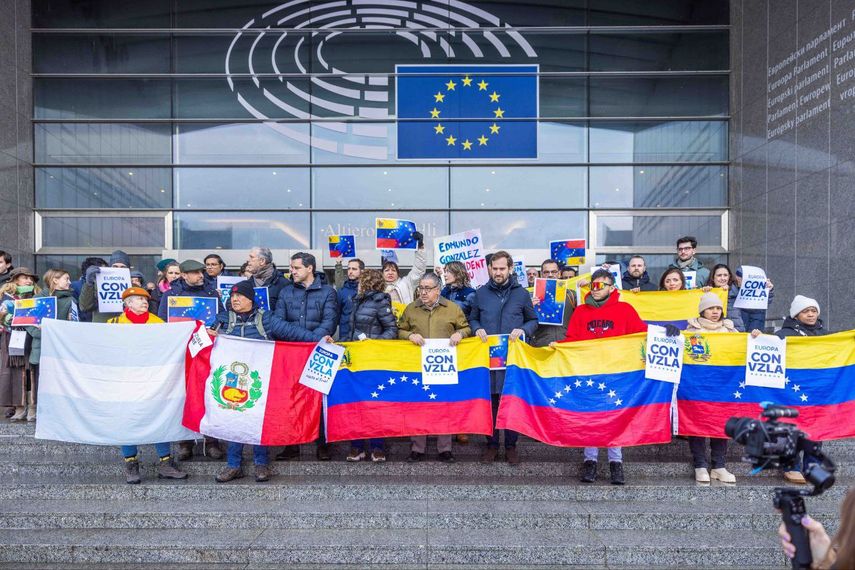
[
  {"x": 359, "y": 261},
  {"x": 242, "y": 269},
  {"x": 688, "y": 239},
  {"x": 603, "y": 274},
  {"x": 636, "y": 256},
  {"x": 668, "y": 272},
  {"x": 390, "y": 263},
  {"x": 371, "y": 280},
  {"x": 550, "y": 260},
  {"x": 570, "y": 268},
  {"x": 730, "y": 278},
  {"x": 457, "y": 269},
  {"x": 488, "y": 258},
  {"x": 502, "y": 254},
  {"x": 307, "y": 259},
  {"x": 6, "y": 257},
  {"x": 91, "y": 262},
  {"x": 214, "y": 256}
]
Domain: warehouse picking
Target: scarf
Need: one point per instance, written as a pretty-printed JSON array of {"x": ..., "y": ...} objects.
[
  {"x": 591, "y": 302},
  {"x": 684, "y": 264},
  {"x": 135, "y": 318},
  {"x": 264, "y": 275}
]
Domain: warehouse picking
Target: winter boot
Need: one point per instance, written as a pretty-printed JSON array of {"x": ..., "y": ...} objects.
[
  {"x": 616, "y": 469},
  {"x": 132, "y": 470},
  {"x": 166, "y": 470},
  {"x": 589, "y": 471}
]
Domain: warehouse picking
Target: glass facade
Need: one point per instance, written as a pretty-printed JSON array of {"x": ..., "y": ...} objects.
[{"x": 206, "y": 124}]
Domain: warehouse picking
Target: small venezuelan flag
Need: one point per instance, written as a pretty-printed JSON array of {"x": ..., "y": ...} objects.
[{"x": 395, "y": 234}]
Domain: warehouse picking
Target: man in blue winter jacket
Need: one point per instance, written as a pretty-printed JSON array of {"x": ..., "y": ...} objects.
[{"x": 502, "y": 306}]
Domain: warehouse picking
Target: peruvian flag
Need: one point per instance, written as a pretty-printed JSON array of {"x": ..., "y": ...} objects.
[{"x": 248, "y": 391}]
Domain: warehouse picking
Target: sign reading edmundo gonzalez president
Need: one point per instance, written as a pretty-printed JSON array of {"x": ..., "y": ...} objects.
[{"x": 467, "y": 111}]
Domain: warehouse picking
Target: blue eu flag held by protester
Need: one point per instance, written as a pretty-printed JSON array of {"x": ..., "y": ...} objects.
[{"x": 467, "y": 112}]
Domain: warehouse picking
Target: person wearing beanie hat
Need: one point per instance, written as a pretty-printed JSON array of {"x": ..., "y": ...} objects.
[
  {"x": 711, "y": 321},
  {"x": 164, "y": 263},
  {"x": 120, "y": 259},
  {"x": 137, "y": 279},
  {"x": 244, "y": 319}
]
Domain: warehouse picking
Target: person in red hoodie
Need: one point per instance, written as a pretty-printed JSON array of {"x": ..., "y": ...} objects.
[{"x": 603, "y": 315}]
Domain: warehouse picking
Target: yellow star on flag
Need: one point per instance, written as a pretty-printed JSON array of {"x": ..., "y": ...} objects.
[
  {"x": 500, "y": 114},
  {"x": 439, "y": 129},
  {"x": 451, "y": 140},
  {"x": 451, "y": 85},
  {"x": 482, "y": 141},
  {"x": 467, "y": 81},
  {"x": 439, "y": 97},
  {"x": 494, "y": 97},
  {"x": 494, "y": 129},
  {"x": 482, "y": 86},
  {"x": 434, "y": 114},
  {"x": 467, "y": 145}
]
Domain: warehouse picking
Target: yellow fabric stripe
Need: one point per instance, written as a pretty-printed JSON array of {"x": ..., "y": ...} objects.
[
  {"x": 386, "y": 224},
  {"x": 669, "y": 305},
  {"x": 729, "y": 349},
  {"x": 404, "y": 356},
  {"x": 587, "y": 357}
]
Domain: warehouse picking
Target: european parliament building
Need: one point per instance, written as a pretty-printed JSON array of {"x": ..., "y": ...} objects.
[{"x": 182, "y": 127}]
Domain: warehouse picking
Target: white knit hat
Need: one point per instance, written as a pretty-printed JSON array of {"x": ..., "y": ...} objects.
[
  {"x": 800, "y": 303},
  {"x": 709, "y": 300}
]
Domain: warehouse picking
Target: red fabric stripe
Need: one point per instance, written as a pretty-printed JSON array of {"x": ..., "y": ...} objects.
[
  {"x": 360, "y": 420},
  {"x": 293, "y": 412},
  {"x": 387, "y": 243},
  {"x": 822, "y": 423},
  {"x": 641, "y": 425},
  {"x": 196, "y": 371}
]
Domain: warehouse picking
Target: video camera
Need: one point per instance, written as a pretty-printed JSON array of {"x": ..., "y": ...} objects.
[{"x": 772, "y": 443}]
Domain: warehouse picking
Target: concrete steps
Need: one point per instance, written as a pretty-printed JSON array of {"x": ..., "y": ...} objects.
[{"x": 64, "y": 505}]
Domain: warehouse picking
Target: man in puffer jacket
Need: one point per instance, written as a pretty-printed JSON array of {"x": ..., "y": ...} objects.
[{"x": 191, "y": 284}]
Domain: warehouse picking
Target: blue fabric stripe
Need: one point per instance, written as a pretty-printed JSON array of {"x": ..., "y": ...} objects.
[
  {"x": 821, "y": 386},
  {"x": 606, "y": 392},
  {"x": 350, "y": 387}
]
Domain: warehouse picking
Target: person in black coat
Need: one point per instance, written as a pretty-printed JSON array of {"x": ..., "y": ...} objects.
[
  {"x": 636, "y": 278},
  {"x": 371, "y": 317}
]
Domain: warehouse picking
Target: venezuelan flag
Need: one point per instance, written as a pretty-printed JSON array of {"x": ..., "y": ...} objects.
[
  {"x": 590, "y": 393},
  {"x": 342, "y": 246},
  {"x": 183, "y": 309},
  {"x": 669, "y": 307},
  {"x": 395, "y": 234},
  {"x": 378, "y": 393},
  {"x": 568, "y": 252},
  {"x": 820, "y": 384},
  {"x": 33, "y": 311}
]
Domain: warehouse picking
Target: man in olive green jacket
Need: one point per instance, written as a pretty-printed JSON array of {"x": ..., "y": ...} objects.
[{"x": 432, "y": 316}]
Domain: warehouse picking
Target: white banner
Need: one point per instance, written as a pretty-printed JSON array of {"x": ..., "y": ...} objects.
[
  {"x": 322, "y": 366},
  {"x": 110, "y": 282},
  {"x": 766, "y": 362},
  {"x": 466, "y": 248},
  {"x": 439, "y": 362},
  {"x": 752, "y": 292},
  {"x": 663, "y": 355},
  {"x": 691, "y": 278},
  {"x": 224, "y": 286}
]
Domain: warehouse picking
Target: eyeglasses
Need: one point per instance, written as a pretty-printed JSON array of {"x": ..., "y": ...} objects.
[
  {"x": 427, "y": 289},
  {"x": 598, "y": 285}
]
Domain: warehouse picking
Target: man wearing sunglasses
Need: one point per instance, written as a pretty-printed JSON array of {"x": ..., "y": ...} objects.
[{"x": 603, "y": 315}]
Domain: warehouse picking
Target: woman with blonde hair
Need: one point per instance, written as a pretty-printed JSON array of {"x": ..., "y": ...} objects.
[{"x": 21, "y": 285}]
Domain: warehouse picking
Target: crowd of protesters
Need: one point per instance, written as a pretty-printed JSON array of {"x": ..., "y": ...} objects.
[{"x": 442, "y": 304}]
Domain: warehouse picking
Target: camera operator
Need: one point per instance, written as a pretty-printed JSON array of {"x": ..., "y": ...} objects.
[
  {"x": 803, "y": 321},
  {"x": 833, "y": 554}
]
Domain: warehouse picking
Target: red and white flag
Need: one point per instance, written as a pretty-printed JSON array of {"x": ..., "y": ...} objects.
[{"x": 248, "y": 391}]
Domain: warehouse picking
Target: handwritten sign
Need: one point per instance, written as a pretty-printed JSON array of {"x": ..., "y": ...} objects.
[
  {"x": 465, "y": 247},
  {"x": 752, "y": 292},
  {"x": 322, "y": 366},
  {"x": 110, "y": 283}
]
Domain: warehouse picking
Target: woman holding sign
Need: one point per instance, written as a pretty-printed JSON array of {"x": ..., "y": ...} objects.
[
  {"x": 709, "y": 321},
  {"x": 21, "y": 285}
]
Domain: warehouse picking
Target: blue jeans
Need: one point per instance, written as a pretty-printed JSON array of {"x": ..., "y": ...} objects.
[
  {"x": 375, "y": 444},
  {"x": 234, "y": 455},
  {"x": 162, "y": 449},
  {"x": 754, "y": 319},
  {"x": 614, "y": 453}
]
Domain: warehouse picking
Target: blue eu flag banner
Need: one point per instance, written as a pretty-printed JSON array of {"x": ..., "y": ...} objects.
[{"x": 467, "y": 112}]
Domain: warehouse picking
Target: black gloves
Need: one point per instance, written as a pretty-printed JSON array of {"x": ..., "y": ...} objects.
[
  {"x": 420, "y": 239},
  {"x": 671, "y": 330}
]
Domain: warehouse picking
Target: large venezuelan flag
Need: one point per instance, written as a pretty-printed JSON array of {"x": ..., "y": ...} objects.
[
  {"x": 590, "y": 393},
  {"x": 378, "y": 393},
  {"x": 820, "y": 385}
]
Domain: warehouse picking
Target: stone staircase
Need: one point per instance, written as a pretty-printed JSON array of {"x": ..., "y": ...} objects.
[{"x": 64, "y": 505}]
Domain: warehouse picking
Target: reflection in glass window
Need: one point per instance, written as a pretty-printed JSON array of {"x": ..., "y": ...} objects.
[
  {"x": 242, "y": 188},
  {"x": 691, "y": 51},
  {"x": 563, "y": 97},
  {"x": 361, "y": 225},
  {"x": 56, "y": 53},
  {"x": 101, "y": 99},
  {"x": 103, "y": 231},
  {"x": 101, "y": 14},
  {"x": 242, "y": 143},
  {"x": 686, "y": 96},
  {"x": 654, "y": 141},
  {"x": 659, "y": 186},
  {"x": 658, "y": 12},
  {"x": 241, "y": 230},
  {"x": 103, "y": 188},
  {"x": 556, "y": 50},
  {"x": 613, "y": 231},
  {"x": 362, "y": 188},
  {"x": 212, "y": 99},
  {"x": 107, "y": 143},
  {"x": 521, "y": 230},
  {"x": 520, "y": 186}
]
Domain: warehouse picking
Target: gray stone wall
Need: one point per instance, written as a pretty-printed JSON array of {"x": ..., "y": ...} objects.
[
  {"x": 16, "y": 132},
  {"x": 792, "y": 146}
]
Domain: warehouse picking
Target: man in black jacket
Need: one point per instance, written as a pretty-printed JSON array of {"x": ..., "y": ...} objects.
[{"x": 635, "y": 278}]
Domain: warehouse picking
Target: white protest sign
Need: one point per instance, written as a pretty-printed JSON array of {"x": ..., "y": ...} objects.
[
  {"x": 752, "y": 293},
  {"x": 224, "y": 286},
  {"x": 614, "y": 269},
  {"x": 464, "y": 247},
  {"x": 691, "y": 279},
  {"x": 766, "y": 362},
  {"x": 439, "y": 362},
  {"x": 519, "y": 271},
  {"x": 663, "y": 355},
  {"x": 322, "y": 366},
  {"x": 110, "y": 282},
  {"x": 17, "y": 343},
  {"x": 198, "y": 340}
]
